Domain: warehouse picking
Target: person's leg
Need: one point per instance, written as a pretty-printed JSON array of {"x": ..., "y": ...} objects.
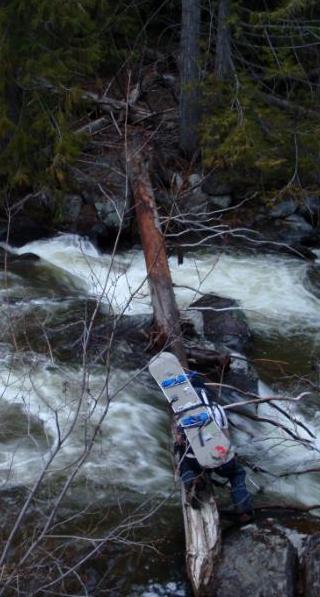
[
  {"x": 190, "y": 471},
  {"x": 235, "y": 473}
]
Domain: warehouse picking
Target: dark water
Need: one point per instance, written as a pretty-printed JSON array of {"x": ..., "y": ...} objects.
[{"x": 130, "y": 511}]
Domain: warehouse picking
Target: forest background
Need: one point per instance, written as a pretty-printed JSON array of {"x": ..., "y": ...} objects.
[{"x": 251, "y": 91}]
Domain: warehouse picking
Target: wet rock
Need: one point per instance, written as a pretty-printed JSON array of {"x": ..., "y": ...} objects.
[
  {"x": 222, "y": 201},
  {"x": 284, "y": 209},
  {"x": 70, "y": 210},
  {"x": 298, "y": 222},
  {"x": 112, "y": 212},
  {"x": 8, "y": 259},
  {"x": 257, "y": 562},
  {"x": 24, "y": 229},
  {"x": 32, "y": 221},
  {"x": 126, "y": 335},
  {"x": 311, "y": 566},
  {"x": 176, "y": 182},
  {"x": 213, "y": 184},
  {"x": 20, "y": 426},
  {"x": 195, "y": 203},
  {"x": 282, "y": 235},
  {"x": 30, "y": 257},
  {"x": 310, "y": 209},
  {"x": 192, "y": 323},
  {"x": 87, "y": 222},
  {"x": 227, "y": 326},
  {"x": 242, "y": 379},
  {"x": 312, "y": 280},
  {"x": 102, "y": 185},
  {"x": 195, "y": 182}
]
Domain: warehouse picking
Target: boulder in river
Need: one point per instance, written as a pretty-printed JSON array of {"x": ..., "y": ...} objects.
[
  {"x": 312, "y": 280},
  {"x": 223, "y": 322},
  {"x": 257, "y": 562}
]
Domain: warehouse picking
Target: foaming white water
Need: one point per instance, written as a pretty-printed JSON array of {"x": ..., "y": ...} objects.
[
  {"x": 100, "y": 275},
  {"x": 285, "y": 448},
  {"x": 130, "y": 448},
  {"x": 269, "y": 288}
]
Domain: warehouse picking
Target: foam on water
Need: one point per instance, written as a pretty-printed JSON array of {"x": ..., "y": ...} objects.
[
  {"x": 132, "y": 447},
  {"x": 283, "y": 456},
  {"x": 268, "y": 288}
]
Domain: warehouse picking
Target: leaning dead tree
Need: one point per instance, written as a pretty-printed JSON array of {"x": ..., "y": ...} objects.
[{"x": 202, "y": 529}]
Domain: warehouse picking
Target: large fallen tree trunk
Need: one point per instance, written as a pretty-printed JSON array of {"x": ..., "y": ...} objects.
[{"x": 202, "y": 529}]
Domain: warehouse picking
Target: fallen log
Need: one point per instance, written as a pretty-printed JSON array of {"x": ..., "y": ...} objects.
[
  {"x": 166, "y": 326},
  {"x": 202, "y": 528}
]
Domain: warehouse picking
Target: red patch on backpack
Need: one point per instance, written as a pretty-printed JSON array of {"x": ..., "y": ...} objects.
[{"x": 221, "y": 450}]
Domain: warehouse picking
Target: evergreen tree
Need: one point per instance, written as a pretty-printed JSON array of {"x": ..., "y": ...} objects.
[
  {"x": 50, "y": 50},
  {"x": 262, "y": 124}
]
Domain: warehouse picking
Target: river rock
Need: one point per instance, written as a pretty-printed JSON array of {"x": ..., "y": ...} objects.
[
  {"x": 222, "y": 201},
  {"x": 126, "y": 334},
  {"x": 311, "y": 566},
  {"x": 312, "y": 280},
  {"x": 287, "y": 232},
  {"x": 24, "y": 229},
  {"x": 310, "y": 209},
  {"x": 195, "y": 203},
  {"x": 213, "y": 184},
  {"x": 227, "y": 326},
  {"x": 284, "y": 208},
  {"x": 257, "y": 562},
  {"x": 299, "y": 222},
  {"x": 195, "y": 182},
  {"x": 7, "y": 258},
  {"x": 70, "y": 209},
  {"x": 103, "y": 188}
]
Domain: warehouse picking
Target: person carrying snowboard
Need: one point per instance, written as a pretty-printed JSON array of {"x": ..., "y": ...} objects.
[{"x": 192, "y": 473}]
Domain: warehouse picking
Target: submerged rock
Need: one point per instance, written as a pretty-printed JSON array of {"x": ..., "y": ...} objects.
[
  {"x": 257, "y": 562},
  {"x": 312, "y": 280},
  {"x": 7, "y": 259}
]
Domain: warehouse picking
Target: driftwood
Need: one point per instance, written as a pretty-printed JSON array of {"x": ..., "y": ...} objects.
[{"x": 202, "y": 529}]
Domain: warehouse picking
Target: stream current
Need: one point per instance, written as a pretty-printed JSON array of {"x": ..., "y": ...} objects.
[{"x": 44, "y": 398}]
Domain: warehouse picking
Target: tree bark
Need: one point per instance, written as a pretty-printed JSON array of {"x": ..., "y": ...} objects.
[
  {"x": 202, "y": 530},
  {"x": 189, "y": 75},
  {"x": 223, "y": 66},
  {"x": 166, "y": 315}
]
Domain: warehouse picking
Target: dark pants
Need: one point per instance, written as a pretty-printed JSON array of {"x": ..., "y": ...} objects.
[{"x": 190, "y": 470}]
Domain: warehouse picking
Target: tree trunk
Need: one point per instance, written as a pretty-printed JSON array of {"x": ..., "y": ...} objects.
[
  {"x": 202, "y": 528},
  {"x": 223, "y": 67},
  {"x": 166, "y": 315},
  {"x": 189, "y": 75}
]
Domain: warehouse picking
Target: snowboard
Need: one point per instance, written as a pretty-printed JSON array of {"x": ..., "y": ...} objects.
[{"x": 209, "y": 443}]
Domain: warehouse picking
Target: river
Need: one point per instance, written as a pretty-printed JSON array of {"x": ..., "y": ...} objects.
[{"x": 51, "y": 394}]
